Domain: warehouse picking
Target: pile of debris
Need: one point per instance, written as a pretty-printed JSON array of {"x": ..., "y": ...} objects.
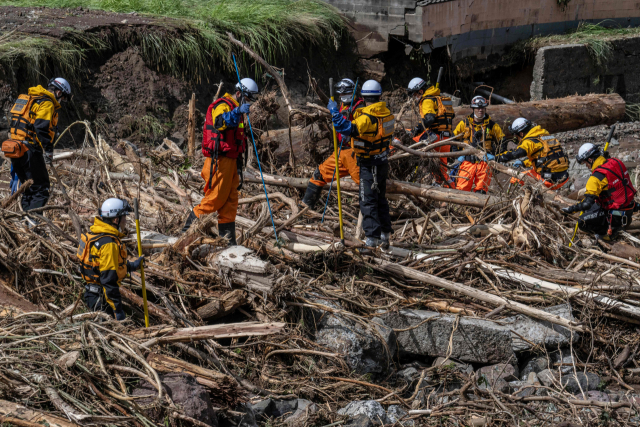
[{"x": 480, "y": 313}]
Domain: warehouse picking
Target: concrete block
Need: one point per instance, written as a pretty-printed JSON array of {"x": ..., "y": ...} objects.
[
  {"x": 474, "y": 340},
  {"x": 540, "y": 332}
]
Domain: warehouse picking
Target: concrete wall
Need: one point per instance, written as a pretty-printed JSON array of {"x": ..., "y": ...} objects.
[
  {"x": 569, "y": 69},
  {"x": 474, "y": 27}
]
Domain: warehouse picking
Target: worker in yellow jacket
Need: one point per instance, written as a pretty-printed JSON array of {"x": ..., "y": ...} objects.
[
  {"x": 104, "y": 259},
  {"x": 479, "y": 131},
  {"x": 370, "y": 132},
  {"x": 223, "y": 144},
  {"x": 543, "y": 152},
  {"x": 34, "y": 125}
]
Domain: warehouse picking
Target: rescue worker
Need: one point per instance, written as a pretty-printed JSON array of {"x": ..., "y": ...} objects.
[
  {"x": 34, "y": 125},
  {"x": 545, "y": 155},
  {"x": 436, "y": 113},
  {"x": 223, "y": 144},
  {"x": 370, "y": 131},
  {"x": 347, "y": 165},
  {"x": 479, "y": 131},
  {"x": 104, "y": 258},
  {"x": 608, "y": 204}
]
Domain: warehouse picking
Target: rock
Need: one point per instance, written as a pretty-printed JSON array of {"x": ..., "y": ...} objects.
[
  {"x": 294, "y": 411},
  {"x": 495, "y": 384},
  {"x": 533, "y": 379},
  {"x": 370, "y": 408},
  {"x": 475, "y": 340},
  {"x": 460, "y": 367},
  {"x": 395, "y": 412},
  {"x": 502, "y": 370},
  {"x": 185, "y": 392},
  {"x": 568, "y": 361},
  {"x": 533, "y": 365},
  {"x": 364, "y": 352},
  {"x": 598, "y": 396},
  {"x": 574, "y": 383},
  {"x": 247, "y": 419},
  {"x": 521, "y": 388},
  {"x": 547, "y": 377},
  {"x": 361, "y": 421},
  {"x": 407, "y": 374},
  {"x": 541, "y": 332}
]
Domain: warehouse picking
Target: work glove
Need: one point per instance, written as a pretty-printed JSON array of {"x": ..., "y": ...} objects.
[
  {"x": 417, "y": 130},
  {"x": 518, "y": 164},
  {"x": 135, "y": 265},
  {"x": 241, "y": 179},
  {"x": 244, "y": 108},
  {"x": 489, "y": 157},
  {"x": 48, "y": 158},
  {"x": 460, "y": 159},
  {"x": 120, "y": 315},
  {"x": 569, "y": 210},
  {"x": 333, "y": 107}
]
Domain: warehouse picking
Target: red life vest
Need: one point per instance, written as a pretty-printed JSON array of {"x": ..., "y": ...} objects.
[
  {"x": 620, "y": 193},
  {"x": 347, "y": 112},
  {"x": 229, "y": 143}
]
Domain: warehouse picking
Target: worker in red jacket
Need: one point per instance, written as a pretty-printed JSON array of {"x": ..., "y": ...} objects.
[{"x": 608, "y": 204}]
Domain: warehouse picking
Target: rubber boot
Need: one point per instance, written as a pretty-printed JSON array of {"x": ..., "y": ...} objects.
[
  {"x": 192, "y": 217},
  {"x": 228, "y": 230},
  {"x": 372, "y": 242},
  {"x": 385, "y": 240},
  {"x": 312, "y": 195}
]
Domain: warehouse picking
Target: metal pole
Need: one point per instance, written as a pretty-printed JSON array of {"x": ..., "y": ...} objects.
[
  {"x": 336, "y": 172},
  {"x": 144, "y": 288}
]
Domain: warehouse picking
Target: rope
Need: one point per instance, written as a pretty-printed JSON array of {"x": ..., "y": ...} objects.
[
  {"x": 264, "y": 186},
  {"x": 355, "y": 91}
]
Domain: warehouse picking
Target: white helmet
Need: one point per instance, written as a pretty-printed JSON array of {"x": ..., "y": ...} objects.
[
  {"x": 62, "y": 85},
  {"x": 114, "y": 208},
  {"x": 371, "y": 88},
  {"x": 416, "y": 84},
  {"x": 587, "y": 151},
  {"x": 520, "y": 125},
  {"x": 248, "y": 87}
]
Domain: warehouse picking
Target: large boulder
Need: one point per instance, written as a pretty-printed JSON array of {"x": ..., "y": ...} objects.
[
  {"x": 573, "y": 383},
  {"x": 192, "y": 398},
  {"x": 539, "y": 332},
  {"x": 366, "y": 349},
  {"x": 474, "y": 340},
  {"x": 370, "y": 408}
]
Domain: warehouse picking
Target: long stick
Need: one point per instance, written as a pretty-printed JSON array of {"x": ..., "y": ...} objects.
[
  {"x": 144, "y": 288},
  {"x": 336, "y": 172}
]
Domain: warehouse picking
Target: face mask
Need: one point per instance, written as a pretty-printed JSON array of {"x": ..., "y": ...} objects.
[{"x": 346, "y": 99}]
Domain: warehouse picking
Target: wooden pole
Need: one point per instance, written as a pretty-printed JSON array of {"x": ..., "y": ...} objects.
[{"x": 192, "y": 126}]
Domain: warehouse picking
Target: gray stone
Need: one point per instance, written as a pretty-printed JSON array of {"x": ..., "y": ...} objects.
[
  {"x": 475, "y": 340},
  {"x": 395, "y": 412},
  {"x": 575, "y": 383},
  {"x": 540, "y": 332},
  {"x": 361, "y": 421},
  {"x": 262, "y": 409},
  {"x": 246, "y": 418},
  {"x": 547, "y": 377},
  {"x": 369, "y": 408},
  {"x": 568, "y": 361},
  {"x": 303, "y": 409},
  {"x": 460, "y": 367},
  {"x": 598, "y": 396},
  {"x": 185, "y": 392},
  {"x": 407, "y": 374},
  {"x": 294, "y": 410},
  {"x": 364, "y": 351},
  {"x": 494, "y": 384},
  {"x": 505, "y": 371},
  {"x": 521, "y": 388},
  {"x": 532, "y": 379},
  {"x": 534, "y": 365}
]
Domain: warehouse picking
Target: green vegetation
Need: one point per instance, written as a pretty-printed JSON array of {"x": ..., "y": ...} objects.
[
  {"x": 273, "y": 28},
  {"x": 596, "y": 37}
]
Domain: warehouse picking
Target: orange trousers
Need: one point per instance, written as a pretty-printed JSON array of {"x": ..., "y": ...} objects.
[
  {"x": 470, "y": 174},
  {"x": 549, "y": 184},
  {"x": 443, "y": 160},
  {"x": 347, "y": 167},
  {"x": 222, "y": 193}
]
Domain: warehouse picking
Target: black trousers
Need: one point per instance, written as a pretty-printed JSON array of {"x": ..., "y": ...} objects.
[
  {"x": 373, "y": 204},
  {"x": 96, "y": 302},
  {"x": 32, "y": 166},
  {"x": 596, "y": 220}
]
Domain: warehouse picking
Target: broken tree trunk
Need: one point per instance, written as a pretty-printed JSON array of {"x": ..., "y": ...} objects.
[
  {"x": 10, "y": 409},
  {"x": 242, "y": 267},
  {"x": 227, "y": 304},
  {"x": 204, "y": 376},
  {"x": 557, "y": 115},
  {"x": 167, "y": 334}
]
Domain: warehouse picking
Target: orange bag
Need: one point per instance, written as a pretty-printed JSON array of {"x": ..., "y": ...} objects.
[{"x": 13, "y": 149}]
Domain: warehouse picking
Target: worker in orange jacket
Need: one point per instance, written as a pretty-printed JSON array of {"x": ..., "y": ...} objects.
[
  {"x": 436, "y": 113},
  {"x": 479, "y": 131},
  {"x": 347, "y": 165},
  {"x": 223, "y": 144}
]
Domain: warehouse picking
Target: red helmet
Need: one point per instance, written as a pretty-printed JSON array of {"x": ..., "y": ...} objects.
[{"x": 479, "y": 102}]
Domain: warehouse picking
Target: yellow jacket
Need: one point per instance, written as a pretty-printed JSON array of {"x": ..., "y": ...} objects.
[
  {"x": 597, "y": 184},
  {"x": 373, "y": 136},
  {"x": 493, "y": 134},
  {"x": 426, "y": 105},
  {"x": 220, "y": 109},
  {"x": 41, "y": 125},
  {"x": 532, "y": 145},
  {"x": 111, "y": 256}
]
